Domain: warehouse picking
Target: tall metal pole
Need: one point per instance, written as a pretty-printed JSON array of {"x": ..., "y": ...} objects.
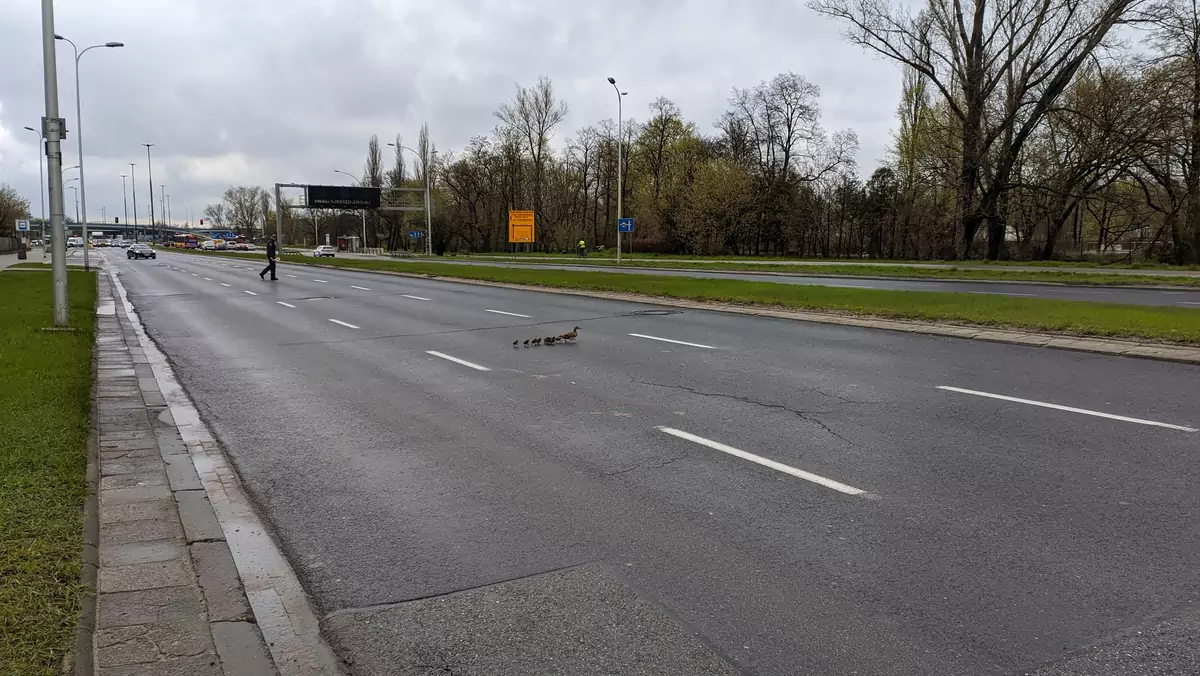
[
  {"x": 169, "y": 225},
  {"x": 79, "y": 132},
  {"x": 41, "y": 186},
  {"x": 52, "y": 125},
  {"x": 133, "y": 189},
  {"x": 620, "y": 158},
  {"x": 125, "y": 199},
  {"x": 150, "y": 171},
  {"x": 76, "y": 189},
  {"x": 79, "y": 145},
  {"x": 162, "y": 207}
]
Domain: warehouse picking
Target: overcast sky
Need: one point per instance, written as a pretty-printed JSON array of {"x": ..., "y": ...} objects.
[{"x": 259, "y": 91}]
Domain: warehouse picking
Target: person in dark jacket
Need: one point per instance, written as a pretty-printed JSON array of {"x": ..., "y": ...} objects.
[{"x": 270, "y": 261}]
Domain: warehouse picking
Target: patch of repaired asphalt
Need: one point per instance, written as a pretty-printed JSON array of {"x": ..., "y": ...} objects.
[{"x": 580, "y": 621}]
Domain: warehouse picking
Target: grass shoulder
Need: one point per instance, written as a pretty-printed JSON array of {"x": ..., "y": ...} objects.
[{"x": 45, "y": 395}]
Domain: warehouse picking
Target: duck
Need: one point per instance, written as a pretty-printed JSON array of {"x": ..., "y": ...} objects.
[{"x": 570, "y": 335}]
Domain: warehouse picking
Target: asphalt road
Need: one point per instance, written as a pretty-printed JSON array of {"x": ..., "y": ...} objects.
[
  {"x": 1182, "y": 297},
  {"x": 759, "y": 496}
]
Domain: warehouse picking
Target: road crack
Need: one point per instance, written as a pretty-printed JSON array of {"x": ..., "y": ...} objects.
[
  {"x": 807, "y": 416},
  {"x": 645, "y": 465}
]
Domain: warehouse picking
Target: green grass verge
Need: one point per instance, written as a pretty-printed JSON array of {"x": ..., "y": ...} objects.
[
  {"x": 610, "y": 255},
  {"x": 45, "y": 395},
  {"x": 1168, "y": 324},
  {"x": 1098, "y": 278}
]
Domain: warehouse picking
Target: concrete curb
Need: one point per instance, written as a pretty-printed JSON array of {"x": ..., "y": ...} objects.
[{"x": 1143, "y": 350}]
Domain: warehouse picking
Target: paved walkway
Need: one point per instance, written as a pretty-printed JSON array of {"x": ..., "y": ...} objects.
[{"x": 170, "y": 598}]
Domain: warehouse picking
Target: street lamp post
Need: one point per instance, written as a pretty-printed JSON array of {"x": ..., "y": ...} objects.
[
  {"x": 76, "y": 189},
  {"x": 162, "y": 206},
  {"x": 620, "y": 157},
  {"x": 125, "y": 200},
  {"x": 169, "y": 221},
  {"x": 150, "y": 171},
  {"x": 41, "y": 187},
  {"x": 79, "y": 132},
  {"x": 133, "y": 190},
  {"x": 428, "y": 218},
  {"x": 361, "y": 181}
]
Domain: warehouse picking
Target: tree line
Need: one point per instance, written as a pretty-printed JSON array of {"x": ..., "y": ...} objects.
[{"x": 1026, "y": 130}]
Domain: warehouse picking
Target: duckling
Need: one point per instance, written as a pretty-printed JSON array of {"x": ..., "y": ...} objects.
[
  {"x": 549, "y": 340},
  {"x": 526, "y": 342},
  {"x": 570, "y": 335},
  {"x": 516, "y": 342},
  {"x": 537, "y": 341}
]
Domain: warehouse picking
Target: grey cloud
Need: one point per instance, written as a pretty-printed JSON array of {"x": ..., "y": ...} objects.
[{"x": 266, "y": 90}]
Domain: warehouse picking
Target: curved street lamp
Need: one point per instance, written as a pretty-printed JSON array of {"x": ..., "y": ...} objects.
[
  {"x": 79, "y": 130},
  {"x": 620, "y": 160}
]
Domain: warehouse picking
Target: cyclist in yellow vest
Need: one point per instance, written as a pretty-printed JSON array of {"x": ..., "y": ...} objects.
[{"x": 582, "y": 248}]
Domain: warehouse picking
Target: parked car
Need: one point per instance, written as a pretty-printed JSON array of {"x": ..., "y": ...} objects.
[
  {"x": 250, "y": 247},
  {"x": 140, "y": 251},
  {"x": 324, "y": 251},
  {"x": 209, "y": 245}
]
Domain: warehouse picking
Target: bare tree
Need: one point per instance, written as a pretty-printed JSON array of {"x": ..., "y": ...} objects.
[
  {"x": 532, "y": 115},
  {"x": 1024, "y": 52}
]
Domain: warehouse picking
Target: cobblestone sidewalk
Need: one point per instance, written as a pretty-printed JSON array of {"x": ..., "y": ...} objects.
[{"x": 169, "y": 597}]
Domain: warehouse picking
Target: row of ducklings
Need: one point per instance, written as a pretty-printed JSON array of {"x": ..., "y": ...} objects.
[{"x": 549, "y": 340}]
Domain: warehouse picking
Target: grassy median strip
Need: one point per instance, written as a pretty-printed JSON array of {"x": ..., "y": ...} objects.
[
  {"x": 1166, "y": 324},
  {"x": 997, "y": 274},
  {"x": 609, "y": 256},
  {"x": 45, "y": 395}
]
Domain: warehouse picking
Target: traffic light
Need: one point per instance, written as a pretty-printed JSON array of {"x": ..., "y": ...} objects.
[
  {"x": 201, "y": 221},
  {"x": 116, "y": 220}
]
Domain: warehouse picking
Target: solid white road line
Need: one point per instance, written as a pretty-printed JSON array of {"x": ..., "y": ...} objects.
[
  {"x": 360, "y": 288},
  {"x": 456, "y": 360},
  {"x": 285, "y": 304},
  {"x": 765, "y": 462},
  {"x": 413, "y": 297},
  {"x": 345, "y": 324},
  {"x": 1069, "y": 409},
  {"x": 224, "y": 284},
  {"x": 1188, "y": 302},
  {"x": 510, "y": 314},
  {"x": 251, "y": 293},
  {"x": 320, "y": 281},
  {"x": 668, "y": 340}
]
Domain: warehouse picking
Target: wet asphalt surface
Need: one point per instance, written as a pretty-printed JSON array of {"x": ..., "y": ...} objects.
[
  {"x": 1165, "y": 297},
  {"x": 993, "y": 537}
]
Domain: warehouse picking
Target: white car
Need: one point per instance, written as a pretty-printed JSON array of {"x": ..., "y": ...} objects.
[
  {"x": 209, "y": 245},
  {"x": 324, "y": 251}
]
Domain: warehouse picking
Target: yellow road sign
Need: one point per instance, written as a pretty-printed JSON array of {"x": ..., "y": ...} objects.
[{"x": 520, "y": 226}]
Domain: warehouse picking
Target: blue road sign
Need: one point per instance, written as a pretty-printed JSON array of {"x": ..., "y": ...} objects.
[
  {"x": 624, "y": 225},
  {"x": 22, "y": 225},
  {"x": 415, "y": 234}
]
